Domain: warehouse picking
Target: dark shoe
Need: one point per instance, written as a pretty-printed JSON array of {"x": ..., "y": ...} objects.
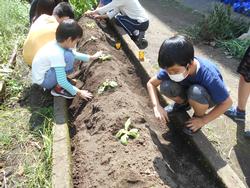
[
  {"x": 142, "y": 43},
  {"x": 61, "y": 93},
  {"x": 234, "y": 114},
  {"x": 177, "y": 107},
  {"x": 140, "y": 40}
]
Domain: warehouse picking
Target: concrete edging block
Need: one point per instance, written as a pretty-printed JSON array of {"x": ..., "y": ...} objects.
[
  {"x": 62, "y": 163},
  {"x": 220, "y": 167}
]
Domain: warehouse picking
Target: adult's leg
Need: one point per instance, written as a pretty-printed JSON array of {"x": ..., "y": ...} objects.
[
  {"x": 131, "y": 25},
  {"x": 243, "y": 93}
]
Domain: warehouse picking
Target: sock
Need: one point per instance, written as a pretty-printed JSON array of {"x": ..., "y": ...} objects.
[{"x": 240, "y": 111}]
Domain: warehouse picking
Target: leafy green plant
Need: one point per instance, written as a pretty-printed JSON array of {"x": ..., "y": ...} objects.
[
  {"x": 235, "y": 47},
  {"x": 124, "y": 134},
  {"x": 105, "y": 57},
  {"x": 108, "y": 84},
  {"x": 218, "y": 25},
  {"x": 80, "y": 6},
  {"x": 90, "y": 25}
]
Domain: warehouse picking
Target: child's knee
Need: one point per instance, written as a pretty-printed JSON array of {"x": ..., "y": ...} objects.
[
  {"x": 171, "y": 89},
  {"x": 198, "y": 94}
]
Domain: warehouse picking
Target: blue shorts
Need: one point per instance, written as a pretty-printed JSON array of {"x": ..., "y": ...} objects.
[
  {"x": 105, "y": 2},
  {"x": 195, "y": 92},
  {"x": 50, "y": 80}
]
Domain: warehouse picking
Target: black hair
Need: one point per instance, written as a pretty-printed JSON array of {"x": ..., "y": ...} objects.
[
  {"x": 39, "y": 7},
  {"x": 64, "y": 9},
  {"x": 176, "y": 50},
  {"x": 68, "y": 28}
]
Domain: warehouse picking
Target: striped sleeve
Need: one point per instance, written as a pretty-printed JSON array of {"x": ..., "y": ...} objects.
[
  {"x": 63, "y": 82},
  {"x": 81, "y": 56}
]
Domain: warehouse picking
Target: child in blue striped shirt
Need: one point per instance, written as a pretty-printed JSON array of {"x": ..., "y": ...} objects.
[{"x": 55, "y": 60}]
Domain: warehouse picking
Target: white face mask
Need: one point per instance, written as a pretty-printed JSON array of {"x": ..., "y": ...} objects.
[{"x": 177, "y": 77}]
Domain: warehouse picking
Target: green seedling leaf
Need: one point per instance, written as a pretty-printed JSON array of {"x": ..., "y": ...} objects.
[
  {"x": 124, "y": 134},
  {"x": 127, "y": 124},
  {"x": 124, "y": 139},
  {"x": 105, "y": 57},
  {"x": 113, "y": 83},
  {"x": 106, "y": 85},
  {"x": 93, "y": 38},
  {"x": 90, "y": 25},
  {"x": 120, "y": 133},
  {"x": 133, "y": 133}
]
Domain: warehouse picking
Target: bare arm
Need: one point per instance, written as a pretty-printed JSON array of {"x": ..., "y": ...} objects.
[
  {"x": 159, "y": 112},
  {"x": 197, "y": 122}
]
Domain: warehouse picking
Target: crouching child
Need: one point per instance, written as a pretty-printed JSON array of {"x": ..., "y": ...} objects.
[
  {"x": 55, "y": 60},
  {"x": 130, "y": 15},
  {"x": 190, "y": 82}
]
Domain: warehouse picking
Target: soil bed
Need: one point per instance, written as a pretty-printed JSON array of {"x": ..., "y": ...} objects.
[{"x": 155, "y": 159}]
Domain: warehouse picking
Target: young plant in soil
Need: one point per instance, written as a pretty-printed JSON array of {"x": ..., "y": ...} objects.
[
  {"x": 108, "y": 84},
  {"x": 105, "y": 57},
  {"x": 124, "y": 134}
]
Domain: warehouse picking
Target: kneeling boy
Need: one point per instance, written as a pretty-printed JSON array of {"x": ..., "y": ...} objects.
[
  {"x": 55, "y": 60},
  {"x": 188, "y": 80}
]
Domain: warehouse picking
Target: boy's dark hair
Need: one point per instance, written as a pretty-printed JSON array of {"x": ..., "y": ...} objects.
[
  {"x": 64, "y": 9},
  {"x": 68, "y": 28},
  {"x": 176, "y": 50}
]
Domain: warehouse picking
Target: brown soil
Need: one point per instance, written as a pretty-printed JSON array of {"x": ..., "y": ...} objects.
[{"x": 155, "y": 159}]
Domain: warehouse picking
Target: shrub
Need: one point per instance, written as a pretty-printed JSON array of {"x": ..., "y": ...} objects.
[
  {"x": 235, "y": 47},
  {"x": 80, "y": 6},
  {"x": 218, "y": 25}
]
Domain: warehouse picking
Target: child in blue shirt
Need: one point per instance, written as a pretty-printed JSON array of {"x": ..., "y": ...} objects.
[
  {"x": 189, "y": 81},
  {"x": 55, "y": 60}
]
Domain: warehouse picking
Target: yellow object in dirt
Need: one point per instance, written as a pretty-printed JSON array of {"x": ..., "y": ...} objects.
[
  {"x": 141, "y": 55},
  {"x": 118, "y": 45}
]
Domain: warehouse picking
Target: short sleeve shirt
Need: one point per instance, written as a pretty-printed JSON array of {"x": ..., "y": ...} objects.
[{"x": 207, "y": 76}]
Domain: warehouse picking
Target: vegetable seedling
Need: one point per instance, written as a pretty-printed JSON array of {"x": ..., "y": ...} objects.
[
  {"x": 90, "y": 25},
  {"x": 124, "y": 134},
  {"x": 105, "y": 57},
  {"x": 108, "y": 84}
]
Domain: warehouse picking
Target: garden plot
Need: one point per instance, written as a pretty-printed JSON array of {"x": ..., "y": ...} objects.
[{"x": 154, "y": 159}]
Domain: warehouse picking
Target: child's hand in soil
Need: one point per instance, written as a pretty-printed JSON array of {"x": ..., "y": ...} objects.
[
  {"x": 85, "y": 94},
  {"x": 161, "y": 114},
  {"x": 96, "y": 55}
]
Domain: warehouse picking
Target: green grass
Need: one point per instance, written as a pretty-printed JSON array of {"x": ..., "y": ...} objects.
[
  {"x": 219, "y": 26},
  {"x": 235, "y": 47},
  {"x": 80, "y": 6},
  {"x": 26, "y": 149},
  {"x": 13, "y": 26}
]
